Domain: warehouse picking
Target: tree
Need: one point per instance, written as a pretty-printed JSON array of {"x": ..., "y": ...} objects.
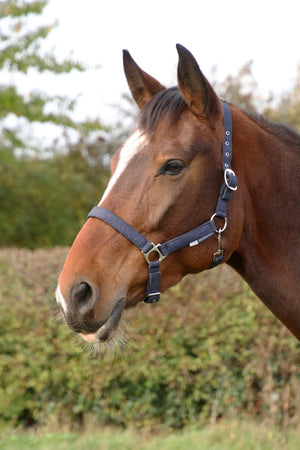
[
  {"x": 44, "y": 197},
  {"x": 44, "y": 202},
  {"x": 21, "y": 52},
  {"x": 240, "y": 89},
  {"x": 287, "y": 108}
]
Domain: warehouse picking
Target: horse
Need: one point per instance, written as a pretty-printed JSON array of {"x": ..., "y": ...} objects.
[{"x": 197, "y": 184}]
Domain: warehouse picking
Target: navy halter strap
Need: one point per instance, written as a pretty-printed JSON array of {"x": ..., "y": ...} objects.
[{"x": 191, "y": 238}]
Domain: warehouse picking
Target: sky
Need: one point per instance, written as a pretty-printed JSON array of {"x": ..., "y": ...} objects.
[{"x": 220, "y": 33}]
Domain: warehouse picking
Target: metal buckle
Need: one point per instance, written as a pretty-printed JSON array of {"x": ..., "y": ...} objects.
[
  {"x": 155, "y": 248},
  {"x": 228, "y": 173}
]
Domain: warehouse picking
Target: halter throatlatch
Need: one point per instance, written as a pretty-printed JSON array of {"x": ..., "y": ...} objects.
[{"x": 155, "y": 253}]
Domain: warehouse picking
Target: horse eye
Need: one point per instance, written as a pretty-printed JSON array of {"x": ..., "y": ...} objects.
[{"x": 173, "y": 167}]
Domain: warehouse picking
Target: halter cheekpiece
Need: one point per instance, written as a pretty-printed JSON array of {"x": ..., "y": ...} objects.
[{"x": 191, "y": 238}]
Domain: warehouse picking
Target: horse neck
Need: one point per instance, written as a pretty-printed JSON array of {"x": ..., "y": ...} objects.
[{"x": 268, "y": 170}]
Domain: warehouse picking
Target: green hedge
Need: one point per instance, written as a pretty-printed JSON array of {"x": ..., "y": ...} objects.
[
  {"x": 209, "y": 349},
  {"x": 43, "y": 202}
]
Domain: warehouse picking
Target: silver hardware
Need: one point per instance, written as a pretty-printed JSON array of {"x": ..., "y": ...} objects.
[
  {"x": 226, "y": 142},
  {"x": 227, "y": 154},
  {"x": 220, "y": 230},
  {"x": 226, "y": 165},
  {"x": 155, "y": 248},
  {"x": 231, "y": 172},
  {"x": 227, "y": 133}
]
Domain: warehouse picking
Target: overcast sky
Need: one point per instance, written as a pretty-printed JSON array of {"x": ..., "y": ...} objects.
[{"x": 221, "y": 33}]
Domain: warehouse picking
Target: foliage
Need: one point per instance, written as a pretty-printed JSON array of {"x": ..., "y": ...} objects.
[
  {"x": 46, "y": 192},
  {"x": 43, "y": 202},
  {"x": 20, "y": 46},
  {"x": 21, "y": 53},
  {"x": 287, "y": 108},
  {"x": 203, "y": 353},
  {"x": 240, "y": 89}
]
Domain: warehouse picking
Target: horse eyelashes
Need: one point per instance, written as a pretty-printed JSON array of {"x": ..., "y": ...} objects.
[{"x": 172, "y": 167}]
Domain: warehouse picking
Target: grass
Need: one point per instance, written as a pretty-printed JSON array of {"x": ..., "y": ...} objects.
[{"x": 232, "y": 435}]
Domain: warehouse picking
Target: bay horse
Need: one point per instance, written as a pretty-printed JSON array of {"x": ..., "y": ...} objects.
[{"x": 198, "y": 183}]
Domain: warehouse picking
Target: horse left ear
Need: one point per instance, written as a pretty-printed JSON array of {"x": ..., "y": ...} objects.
[
  {"x": 196, "y": 90},
  {"x": 141, "y": 85}
]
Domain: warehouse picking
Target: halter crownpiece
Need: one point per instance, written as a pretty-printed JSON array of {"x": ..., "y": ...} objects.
[{"x": 191, "y": 238}]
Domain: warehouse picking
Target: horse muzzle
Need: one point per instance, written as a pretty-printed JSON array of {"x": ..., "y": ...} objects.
[
  {"x": 107, "y": 330},
  {"x": 79, "y": 313}
]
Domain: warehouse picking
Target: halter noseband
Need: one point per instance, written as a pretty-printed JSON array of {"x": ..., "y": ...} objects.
[{"x": 191, "y": 238}]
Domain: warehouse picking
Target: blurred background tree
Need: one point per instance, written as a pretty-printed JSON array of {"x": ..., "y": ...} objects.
[
  {"x": 20, "y": 53},
  {"x": 287, "y": 109},
  {"x": 46, "y": 189},
  {"x": 240, "y": 89}
]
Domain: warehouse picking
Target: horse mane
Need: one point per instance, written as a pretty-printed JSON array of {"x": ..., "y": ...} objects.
[
  {"x": 168, "y": 103},
  {"x": 285, "y": 133}
]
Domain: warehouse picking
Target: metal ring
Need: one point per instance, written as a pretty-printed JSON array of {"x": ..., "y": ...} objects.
[{"x": 220, "y": 230}]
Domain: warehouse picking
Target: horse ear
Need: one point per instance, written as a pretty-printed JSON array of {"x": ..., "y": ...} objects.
[
  {"x": 195, "y": 88},
  {"x": 141, "y": 85}
]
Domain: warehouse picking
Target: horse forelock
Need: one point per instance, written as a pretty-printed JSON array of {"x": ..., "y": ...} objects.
[{"x": 167, "y": 104}]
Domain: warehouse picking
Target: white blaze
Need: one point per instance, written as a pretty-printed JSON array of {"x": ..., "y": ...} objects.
[
  {"x": 60, "y": 299},
  {"x": 128, "y": 151}
]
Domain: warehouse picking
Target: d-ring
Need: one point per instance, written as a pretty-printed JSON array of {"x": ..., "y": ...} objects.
[
  {"x": 228, "y": 173},
  {"x": 220, "y": 230}
]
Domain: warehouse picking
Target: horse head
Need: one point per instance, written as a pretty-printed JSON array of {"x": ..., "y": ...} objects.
[{"x": 165, "y": 180}]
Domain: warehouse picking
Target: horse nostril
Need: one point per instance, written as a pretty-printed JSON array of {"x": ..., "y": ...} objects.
[{"x": 84, "y": 297}]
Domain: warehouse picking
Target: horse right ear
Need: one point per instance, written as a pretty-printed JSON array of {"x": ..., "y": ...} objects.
[{"x": 141, "y": 85}]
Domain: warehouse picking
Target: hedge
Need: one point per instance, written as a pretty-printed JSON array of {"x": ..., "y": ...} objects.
[{"x": 208, "y": 350}]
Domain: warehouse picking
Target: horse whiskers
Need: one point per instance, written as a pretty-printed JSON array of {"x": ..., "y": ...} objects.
[
  {"x": 109, "y": 348},
  {"x": 58, "y": 316}
]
